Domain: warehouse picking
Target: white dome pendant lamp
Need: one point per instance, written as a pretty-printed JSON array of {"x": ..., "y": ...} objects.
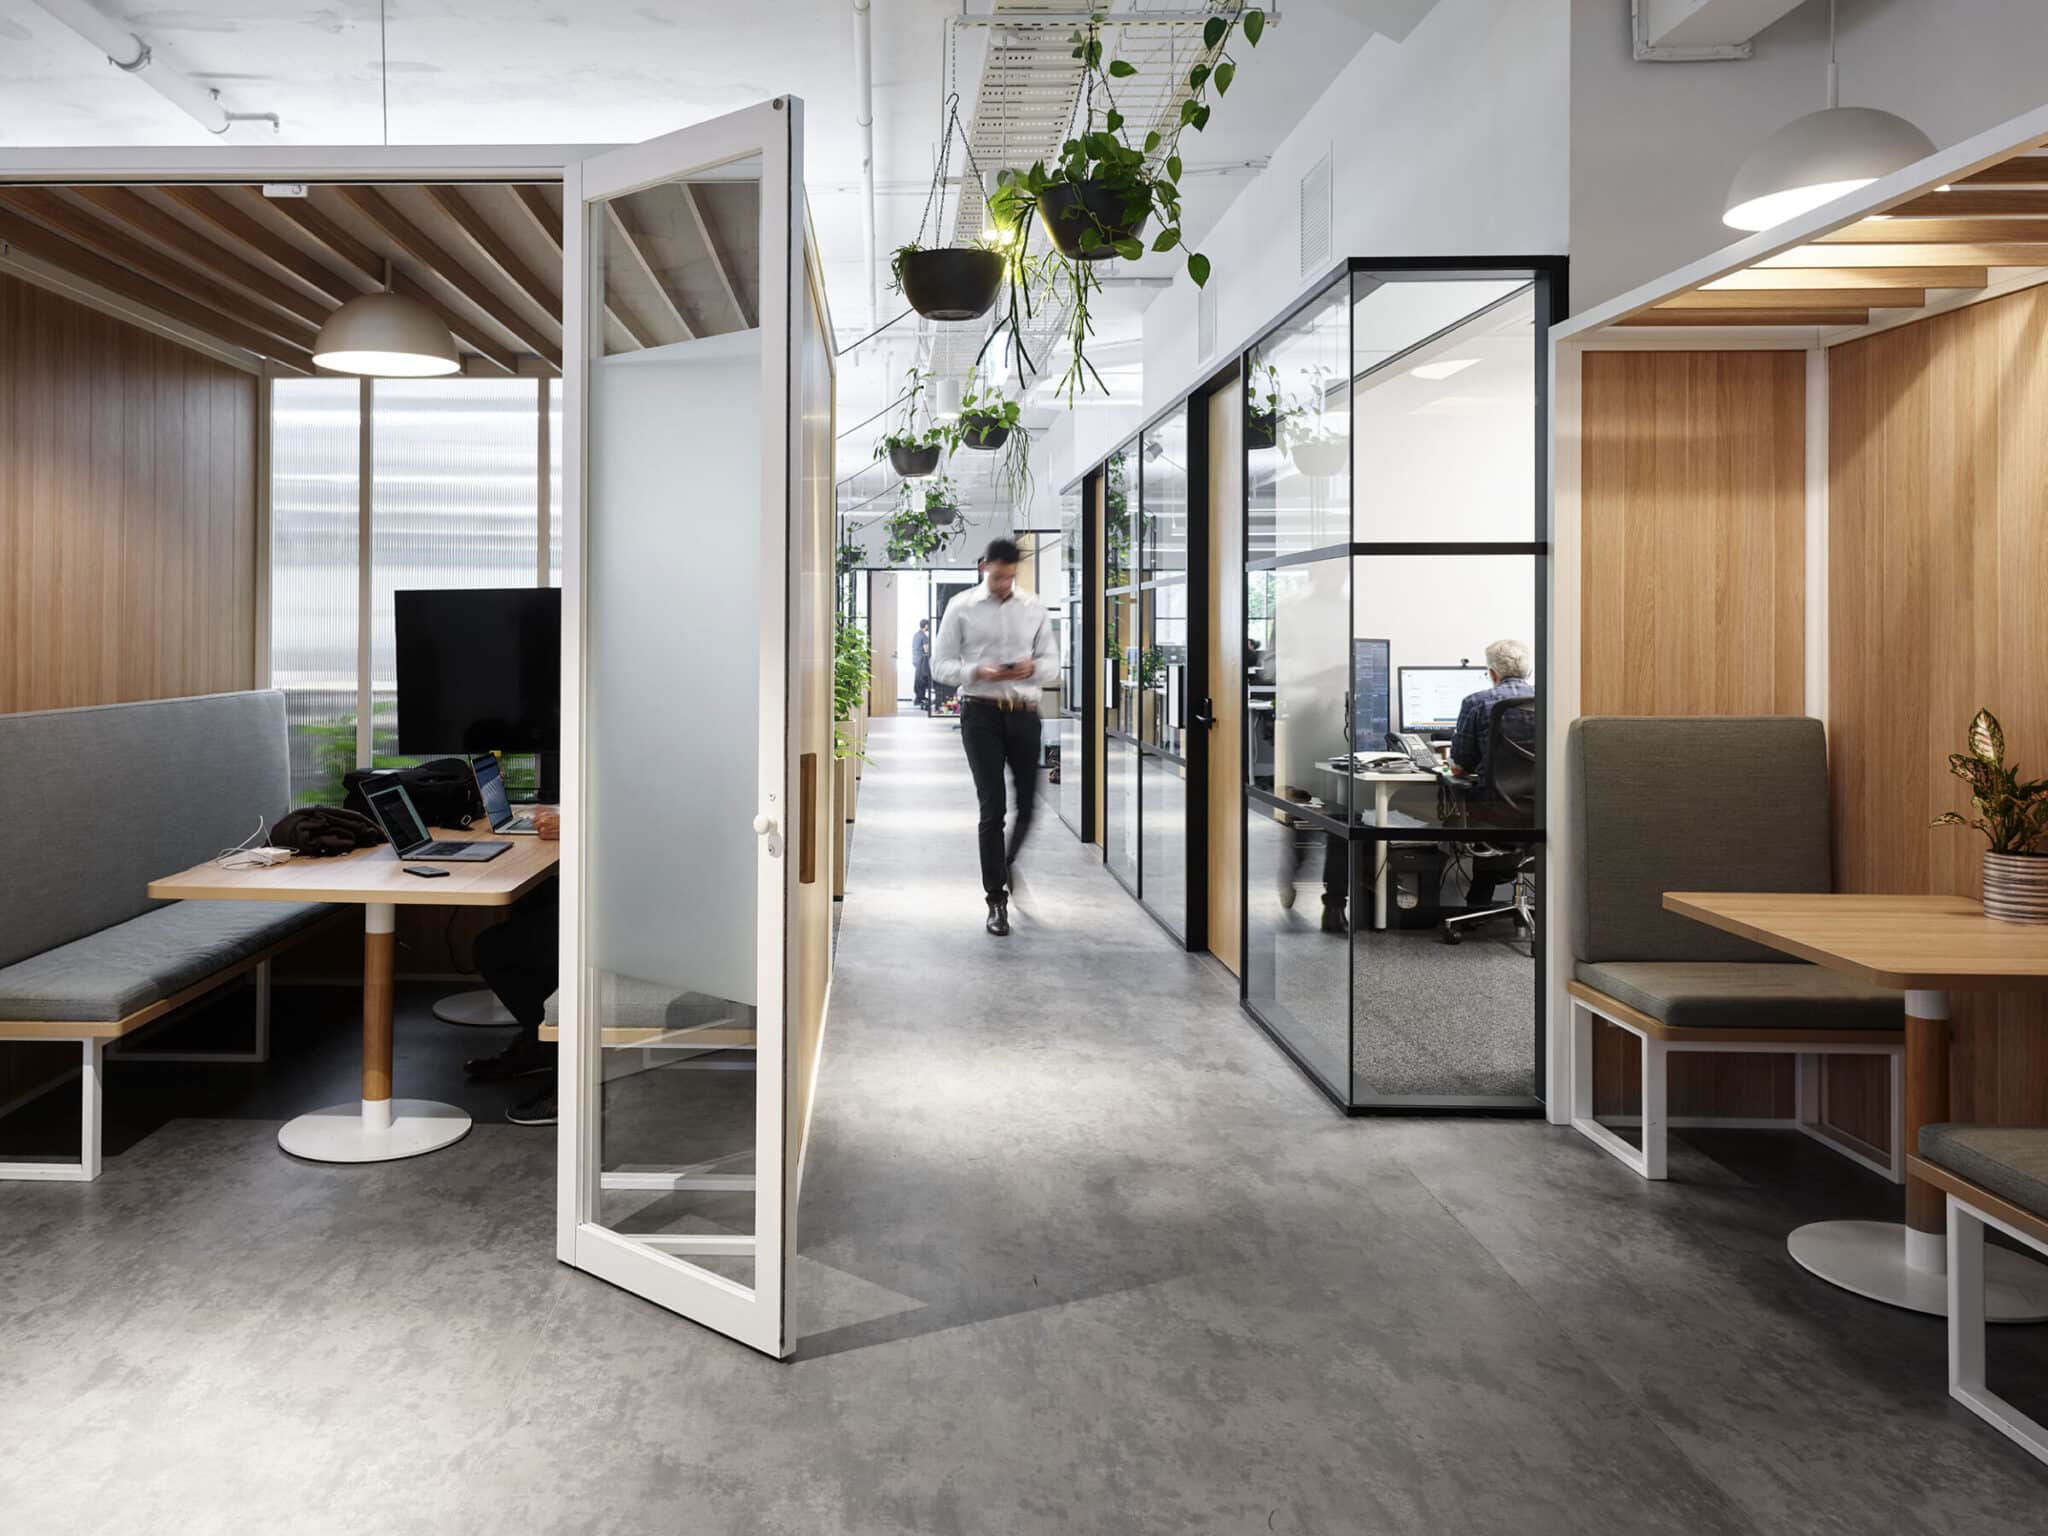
[
  {"x": 1819, "y": 157},
  {"x": 386, "y": 336}
]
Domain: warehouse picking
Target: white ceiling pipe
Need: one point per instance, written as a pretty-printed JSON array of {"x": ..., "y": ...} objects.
[
  {"x": 131, "y": 55},
  {"x": 864, "y": 115}
]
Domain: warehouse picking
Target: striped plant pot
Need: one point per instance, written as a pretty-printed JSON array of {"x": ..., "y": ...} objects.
[{"x": 2016, "y": 887}]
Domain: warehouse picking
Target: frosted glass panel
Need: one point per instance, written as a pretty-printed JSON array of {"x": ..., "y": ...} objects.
[
  {"x": 674, "y": 689},
  {"x": 313, "y": 535},
  {"x": 554, "y": 484},
  {"x": 455, "y": 489}
]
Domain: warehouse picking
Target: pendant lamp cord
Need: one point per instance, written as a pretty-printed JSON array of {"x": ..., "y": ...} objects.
[
  {"x": 1834, "y": 88},
  {"x": 384, "y": 69}
]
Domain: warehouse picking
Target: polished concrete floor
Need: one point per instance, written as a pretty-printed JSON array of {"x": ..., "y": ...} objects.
[{"x": 1081, "y": 1252}]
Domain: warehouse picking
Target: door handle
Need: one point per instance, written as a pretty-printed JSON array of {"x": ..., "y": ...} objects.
[
  {"x": 764, "y": 825},
  {"x": 1205, "y": 715}
]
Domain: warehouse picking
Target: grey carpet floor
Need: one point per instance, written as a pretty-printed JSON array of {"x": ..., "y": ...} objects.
[{"x": 1080, "y": 1251}]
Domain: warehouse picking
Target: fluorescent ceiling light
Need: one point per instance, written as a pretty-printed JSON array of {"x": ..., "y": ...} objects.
[
  {"x": 1819, "y": 157},
  {"x": 386, "y": 336},
  {"x": 1443, "y": 369}
]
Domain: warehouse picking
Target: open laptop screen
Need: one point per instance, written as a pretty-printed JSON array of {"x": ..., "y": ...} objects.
[
  {"x": 392, "y": 807},
  {"x": 490, "y": 784}
]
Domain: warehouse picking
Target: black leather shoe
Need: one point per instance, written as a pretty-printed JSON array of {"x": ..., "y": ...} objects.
[{"x": 999, "y": 917}]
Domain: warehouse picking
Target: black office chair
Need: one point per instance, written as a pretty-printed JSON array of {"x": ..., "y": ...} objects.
[{"x": 1506, "y": 793}]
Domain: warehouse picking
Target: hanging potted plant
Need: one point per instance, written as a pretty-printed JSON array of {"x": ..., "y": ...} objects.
[
  {"x": 913, "y": 537},
  {"x": 991, "y": 422},
  {"x": 913, "y": 451},
  {"x": 941, "y": 501},
  {"x": 2012, "y": 815},
  {"x": 1318, "y": 449},
  {"x": 947, "y": 282},
  {"x": 1097, "y": 197}
]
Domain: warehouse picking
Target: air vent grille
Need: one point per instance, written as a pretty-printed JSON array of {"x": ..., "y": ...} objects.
[{"x": 1315, "y": 217}]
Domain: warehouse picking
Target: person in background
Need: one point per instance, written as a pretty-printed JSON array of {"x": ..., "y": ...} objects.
[
  {"x": 1507, "y": 668},
  {"x": 518, "y": 960},
  {"x": 994, "y": 645},
  {"x": 921, "y": 663}
]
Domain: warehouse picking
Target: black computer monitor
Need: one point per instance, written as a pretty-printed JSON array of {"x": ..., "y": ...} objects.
[
  {"x": 479, "y": 670},
  {"x": 1430, "y": 696}
]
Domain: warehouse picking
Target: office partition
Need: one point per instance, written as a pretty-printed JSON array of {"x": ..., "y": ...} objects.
[{"x": 1394, "y": 531}]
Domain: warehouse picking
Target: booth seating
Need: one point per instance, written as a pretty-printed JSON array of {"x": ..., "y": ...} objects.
[
  {"x": 1703, "y": 803},
  {"x": 1994, "y": 1176},
  {"x": 94, "y": 804}
]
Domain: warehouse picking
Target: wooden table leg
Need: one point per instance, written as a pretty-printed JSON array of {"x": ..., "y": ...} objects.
[
  {"x": 1926, "y": 1089},
  {"x": 380, "y": 944}
]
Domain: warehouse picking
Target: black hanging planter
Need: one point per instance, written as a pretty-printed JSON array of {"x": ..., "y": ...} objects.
[
  {"x": 915, "y": 463},
  {"x": 1066, "y": 208},
  {"x": 942, "y": 517},
  {"x": 1262, "y": 429},
  {"x": 987, "y": 439},
  {"x": 950, "y": 284}
]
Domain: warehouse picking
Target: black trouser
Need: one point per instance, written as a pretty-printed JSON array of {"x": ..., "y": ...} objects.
[
  {"x": 993, "y": 737},
  {"x": 921, "y": 684},
  {"x": 518, "y": 959}
]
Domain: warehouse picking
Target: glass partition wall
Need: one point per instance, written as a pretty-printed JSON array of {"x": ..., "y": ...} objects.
[
  {"x": 1146, "y": 661},
  {"x": 1070, "y": 596},
  {"x": 1395, "y": 544}
]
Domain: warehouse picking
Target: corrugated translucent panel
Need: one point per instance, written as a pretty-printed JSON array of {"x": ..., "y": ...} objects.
[
  {"x": 313, "y": 576},
  {"x": 455, "y": 490}
]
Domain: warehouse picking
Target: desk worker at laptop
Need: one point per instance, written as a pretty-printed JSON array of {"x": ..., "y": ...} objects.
[
  {"x": 994, "y": 645},
  {"x": 519, "y": 960},
  {"x": 1507, "y": 664}
]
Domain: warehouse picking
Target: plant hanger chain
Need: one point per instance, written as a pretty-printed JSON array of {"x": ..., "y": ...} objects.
[{"x": 936, "y": 196}]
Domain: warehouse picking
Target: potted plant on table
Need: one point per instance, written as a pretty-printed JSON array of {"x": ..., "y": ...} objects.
[{"x": 2013, "y": 816}]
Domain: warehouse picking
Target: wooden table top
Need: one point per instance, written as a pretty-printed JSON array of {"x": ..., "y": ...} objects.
[
  {"x": 374, "y": 875},
  {"x": 1912, "y": 943}
]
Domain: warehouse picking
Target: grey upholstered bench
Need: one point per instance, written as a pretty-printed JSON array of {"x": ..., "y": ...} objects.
[
  {"x": 1994, "y": 1176},
  {"x": 1655, "y": 804},
  {"x": 94, "y": 804}
]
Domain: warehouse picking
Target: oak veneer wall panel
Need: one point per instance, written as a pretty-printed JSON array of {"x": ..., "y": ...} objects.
[
  {"x": 1938, "y": 559},
  {"x": 127, "y": 511},
  {"x": 1693, "y": 540},
  {"x": 127, "y": 527}
]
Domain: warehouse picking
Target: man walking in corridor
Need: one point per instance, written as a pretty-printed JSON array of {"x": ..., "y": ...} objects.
[{"x": 995, "y": 645}]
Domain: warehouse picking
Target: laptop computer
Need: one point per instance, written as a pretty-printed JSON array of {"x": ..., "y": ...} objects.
[
  {"x": 393, "y": 808},
  {"x": 490, "y": 785}
]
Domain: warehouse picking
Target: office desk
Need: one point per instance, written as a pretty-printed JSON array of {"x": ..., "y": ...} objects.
[
  {"x": 380, "y": 1128},
  {"x": 1926, "y": 947},
  {"x": 1383, "y": 783}
]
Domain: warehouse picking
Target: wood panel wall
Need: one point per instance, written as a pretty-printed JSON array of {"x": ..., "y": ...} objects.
[
  {"x": 1693, "y": 525},
  {"x": 1693, "y": 508},
  {"x": 1937, "y": 570},
  {"x": 1225, "y": 671},
  {"x": 127, "y": 528},
  {"x": 127, "y": 511}
]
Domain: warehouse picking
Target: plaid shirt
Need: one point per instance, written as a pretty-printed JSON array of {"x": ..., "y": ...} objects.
[{"x": 1475, "y": 715}]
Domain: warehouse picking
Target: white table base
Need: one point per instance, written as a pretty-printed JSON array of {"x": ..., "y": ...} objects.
[
  {"x": 374, "y": 1132},
  {"x": 1870, "y": 1258},
  {"x": 480, "y": 1009}
]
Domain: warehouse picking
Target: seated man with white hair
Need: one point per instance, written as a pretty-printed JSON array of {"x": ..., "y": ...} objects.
[{"x": 1507, "y": 664}]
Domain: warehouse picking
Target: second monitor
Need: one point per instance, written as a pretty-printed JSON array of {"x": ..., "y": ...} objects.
[{"x": 1431, "y": 696}]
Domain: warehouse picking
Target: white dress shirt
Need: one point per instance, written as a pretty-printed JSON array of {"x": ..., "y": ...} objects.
[{"x": 979, "y": 631}]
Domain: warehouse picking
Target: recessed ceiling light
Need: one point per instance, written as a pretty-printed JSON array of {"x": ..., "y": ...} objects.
[{"x": 1443, "y": 369}]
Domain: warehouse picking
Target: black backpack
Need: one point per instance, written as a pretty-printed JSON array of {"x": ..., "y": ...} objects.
[{"x": 442, "y": 790}]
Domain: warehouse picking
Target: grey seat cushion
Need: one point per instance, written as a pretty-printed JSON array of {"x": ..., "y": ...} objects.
[
  {"x": 1694, "y": 994},
  {"x": 110, "y": 974},
  {"x": 2008, "y": 1160},
  {"x": 1701, "y": 803}
]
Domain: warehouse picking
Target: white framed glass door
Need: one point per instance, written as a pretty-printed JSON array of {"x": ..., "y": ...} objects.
[{"x": 683, "y": 288}]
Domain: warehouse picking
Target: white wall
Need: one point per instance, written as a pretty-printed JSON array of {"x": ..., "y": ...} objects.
[
  {"x": 1654, "y": 146},
  {"x": 1451, "y": 143}
]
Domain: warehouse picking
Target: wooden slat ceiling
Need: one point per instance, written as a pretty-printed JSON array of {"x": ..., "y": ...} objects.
[
  {"x": 257, "y": 275},
  {"x": 1939, "y": 242}
]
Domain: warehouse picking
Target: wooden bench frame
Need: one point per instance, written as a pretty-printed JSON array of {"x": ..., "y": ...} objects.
[
  {"x": 93, "y": 1037},
  {"x": 1659, "y": 1039},
  {"x": 1972, "y": 1208}
]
